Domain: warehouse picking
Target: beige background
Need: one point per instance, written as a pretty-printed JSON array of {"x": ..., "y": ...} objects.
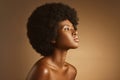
[{"x": 98, "y": 55}]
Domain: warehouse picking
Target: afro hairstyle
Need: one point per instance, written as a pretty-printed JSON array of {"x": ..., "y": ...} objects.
[{"x": 42, "y": 25}]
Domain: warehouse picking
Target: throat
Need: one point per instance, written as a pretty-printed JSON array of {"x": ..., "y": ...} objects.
[{"x": 58, "y": 58}]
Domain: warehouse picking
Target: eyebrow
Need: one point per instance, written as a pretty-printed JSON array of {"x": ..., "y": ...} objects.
[
  {"x": 68, "y": 26},
  {"x": 62, "y": 26}
]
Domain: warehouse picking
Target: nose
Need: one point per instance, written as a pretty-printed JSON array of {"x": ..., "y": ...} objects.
[{"x": 75, "y": 32}]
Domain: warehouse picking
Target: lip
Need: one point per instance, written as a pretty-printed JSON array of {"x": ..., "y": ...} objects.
[{"x": 76, "y": 39}]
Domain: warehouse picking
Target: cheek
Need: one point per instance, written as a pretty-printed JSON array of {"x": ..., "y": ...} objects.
[
  {"x": 66, "y": 41},
  {"x": 68, "y": 38},
  {"x": 65, "y": 38}
]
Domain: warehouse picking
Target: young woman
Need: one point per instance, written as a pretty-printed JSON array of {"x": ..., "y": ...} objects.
[{"x": 52, "y": 31}]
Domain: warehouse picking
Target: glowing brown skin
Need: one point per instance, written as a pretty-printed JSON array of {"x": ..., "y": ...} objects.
[{"x": 54, "y": 67}]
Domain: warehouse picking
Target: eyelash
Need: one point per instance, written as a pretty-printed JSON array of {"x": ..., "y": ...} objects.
[{"x": 67, "y": 28}]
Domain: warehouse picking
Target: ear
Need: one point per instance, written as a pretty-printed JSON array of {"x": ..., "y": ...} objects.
[{"x": 53, "y": 41}]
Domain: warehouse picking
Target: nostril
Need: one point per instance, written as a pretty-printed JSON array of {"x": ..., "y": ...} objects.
[{"x": 75, "y": 33}]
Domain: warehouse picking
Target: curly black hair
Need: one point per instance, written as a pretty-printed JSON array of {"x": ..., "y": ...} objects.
[{"x": 42, "y": 25}]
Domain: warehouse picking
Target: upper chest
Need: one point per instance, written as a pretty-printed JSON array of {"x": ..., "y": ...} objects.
[{"x": 61, "y": 75}]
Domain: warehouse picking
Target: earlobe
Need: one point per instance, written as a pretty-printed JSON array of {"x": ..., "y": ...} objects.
[{"x": 53, "y": 41}]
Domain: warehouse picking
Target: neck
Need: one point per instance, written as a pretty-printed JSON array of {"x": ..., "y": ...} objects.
[{"x": 58, "y": 57}]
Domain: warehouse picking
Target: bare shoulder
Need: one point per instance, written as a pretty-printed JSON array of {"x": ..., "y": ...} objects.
[
  {"x": 72, "y": 69},
  {"x": 39, "y": 72}
]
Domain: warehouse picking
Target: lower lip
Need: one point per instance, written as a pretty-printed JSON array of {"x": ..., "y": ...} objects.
[{"x": 76, "y": 40}]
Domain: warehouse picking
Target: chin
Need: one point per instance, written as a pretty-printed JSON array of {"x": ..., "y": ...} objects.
[{"x": 74, "y": 47}]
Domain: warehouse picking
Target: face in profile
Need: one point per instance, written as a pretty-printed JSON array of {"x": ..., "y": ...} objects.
[{"x": 67, "y": 36}]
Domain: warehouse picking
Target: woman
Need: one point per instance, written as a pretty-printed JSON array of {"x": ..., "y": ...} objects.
[{"x": 52, "y": 31}]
